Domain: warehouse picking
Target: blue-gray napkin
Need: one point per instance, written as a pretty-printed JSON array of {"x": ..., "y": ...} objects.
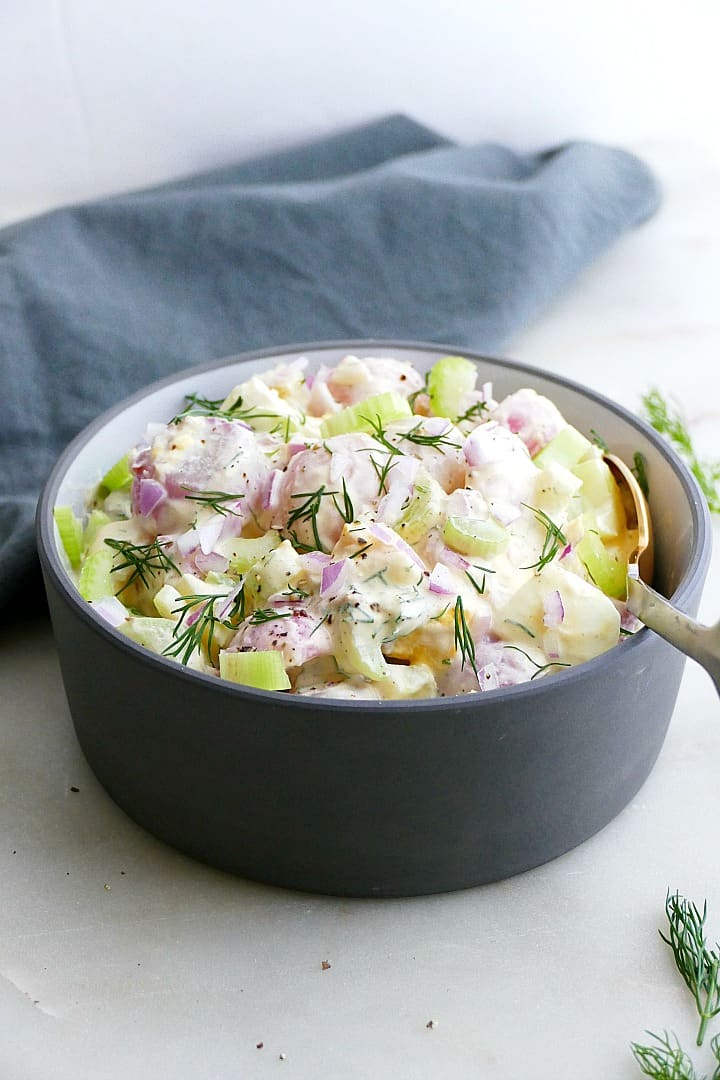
[{"x": 386, "y": 231}]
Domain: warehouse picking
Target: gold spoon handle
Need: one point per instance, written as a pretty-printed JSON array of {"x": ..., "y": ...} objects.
[{"x": 700, "y": 642}]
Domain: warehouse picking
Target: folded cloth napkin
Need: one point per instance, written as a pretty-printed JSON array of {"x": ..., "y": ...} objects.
[{"x": 386, "y": 231}]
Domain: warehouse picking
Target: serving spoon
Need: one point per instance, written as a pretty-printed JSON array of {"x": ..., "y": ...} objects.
[{"x": 701, "y": 643}]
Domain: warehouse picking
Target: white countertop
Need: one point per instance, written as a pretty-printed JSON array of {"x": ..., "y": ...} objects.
[{"x": 120, "y": 958}]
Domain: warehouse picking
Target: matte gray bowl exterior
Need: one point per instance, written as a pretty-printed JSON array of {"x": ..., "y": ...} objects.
[{"x": 363, "y": 798}]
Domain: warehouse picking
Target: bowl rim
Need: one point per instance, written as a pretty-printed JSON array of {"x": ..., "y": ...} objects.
[{"x": 51, "y": 562}]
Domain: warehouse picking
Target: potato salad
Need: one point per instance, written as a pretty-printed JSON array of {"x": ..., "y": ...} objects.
[{"x": 360, "y": 532}]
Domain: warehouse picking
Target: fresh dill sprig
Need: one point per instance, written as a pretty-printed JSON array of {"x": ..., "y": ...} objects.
[
  {"x": 698, "y": 965},
  {"x": 539, "y": 667},
  {"x": 715, "y": 1047},
  {"x": 381, "y": 471},
  {"x": 216, "y": 500},
  {"x": 554, "y": 539},
  {"x": 147, "y": 560},
  {"x": 670, "y": 422},
  {"x": 189, "y": 638},
  {"x": 308, "y": 511},
  {"x": 478, "y": 588},
  {"x": 295, "y": 593},
  {"x": 265, "y": 615},
  {"x": 347, "y": 513},
  {"x": 463, "y": 638},
  {"x": 197, "y": 405},
  {"x": 665, "y": 1061},
  {"x": 475, "y": 411},
  {"x": 416, "y": 436},
  {"x": 598, "y": 440},
  {"x": 639, "y": 469}
]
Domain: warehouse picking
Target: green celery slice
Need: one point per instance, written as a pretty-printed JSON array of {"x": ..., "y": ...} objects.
[
  {"x": 263, "y": 670},
  {"x": 601, "y": 497},
  {"x": 474, "y": 536},
  {"x": 423, "y": 511},
  {"x": 95, "y": 582},
  {"x": 380, "y": 409},
  {"x": 449, "y": 379},
  {"x": 96, "y": 520},
  {"x": 70, "y": 531},
  {"x": 244, "y": 552},
  {"x": 357, "y": 653},
  {"x": 605, "y": 569},
  {"x": 567, "y": 448},
  {"x": 119, "y": 476}
]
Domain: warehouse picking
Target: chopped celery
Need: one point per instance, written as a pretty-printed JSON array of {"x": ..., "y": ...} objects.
[
  {"x": 408, "y": 681},
  {"x": 95, "y": 582},
  {"x": 567, "y": 448},
  {"x": 244, "y": 553},
  {"x": 70, "y": 531},
  {"x": 96, "y": 520},
  {"x": 166, "y": 602},
  {"x": 262, "y": 670},
  {"x": 154, "y": 634},
  {"x": 607, "y": 571},
  {"x": 119, "y": 476},
  {"x": 381, "y": 409},
  {"x": 448, "y": 381},
  {"x": 423, "y": 510},
  {"x": 601, "y": 497},
  {"x": 273, "y": 573},
  {"x": 357, "y": 653},
  {"x": 473, "y": 536}
]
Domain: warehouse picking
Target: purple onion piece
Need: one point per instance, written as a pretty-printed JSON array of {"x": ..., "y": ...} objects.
[
  {"x": 150, "y": 493},
  {"x": 330, "y": 575},
  {"x": 554, "y": 609},
  {"x": 441, "y": 581}
]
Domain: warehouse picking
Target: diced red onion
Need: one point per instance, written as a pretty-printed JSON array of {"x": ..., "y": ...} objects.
[
  {"x": 330, "y": 575},
  {"x": 451, "y": 558},
  {"x": 294, "y": 448},
  {"x": 222, "y": 610},
  {"x": 187, "y": 542},
  {"x": 212, "y": 562},
  {"x": 111, "y": 610},
  {"x": 435, "y": 425},
  {"x": 209, "y": 533},
  {"x": 486, "y": 391},
  {"x": 149, "y": 494},
  {"x": 141, "y": 459},
  {"x": 318, "y": 557},
  {"x": 309, "y": 380},
  {"x": 554, "y": 609},
  {"x": 271, "y": 495},
  {"x": 442, "y": 581},
  {"x": 505, "y": 512},
  {"x": 478, "y": 447},
  {"x": 387, "y": 536},
  {"x": 488, "y": 677},
  {"x": 566, "y": 551}
]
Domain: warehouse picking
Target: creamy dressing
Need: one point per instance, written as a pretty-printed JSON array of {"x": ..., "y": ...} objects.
[{"x": 425, "y": 556}]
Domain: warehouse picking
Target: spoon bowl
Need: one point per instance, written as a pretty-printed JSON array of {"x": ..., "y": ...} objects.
[{"x": 700, "y": 643}]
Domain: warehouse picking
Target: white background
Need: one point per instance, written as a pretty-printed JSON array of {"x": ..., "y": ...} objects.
[{"x": 98, "y": 97}]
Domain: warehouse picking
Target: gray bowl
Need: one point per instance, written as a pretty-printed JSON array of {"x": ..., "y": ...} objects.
[{"x": 362, "y": 798}]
